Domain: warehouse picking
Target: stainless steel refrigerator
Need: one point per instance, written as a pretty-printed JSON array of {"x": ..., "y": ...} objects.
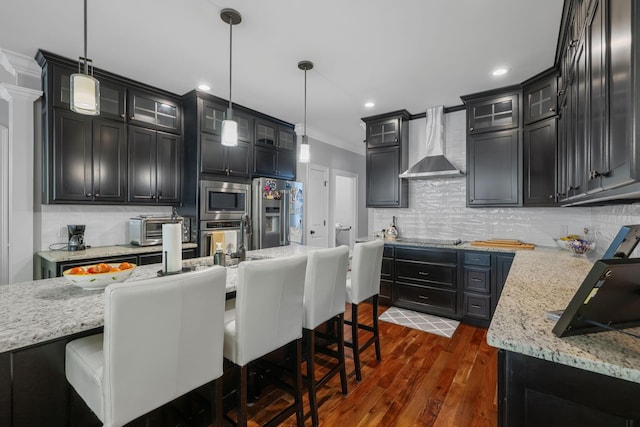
[{"x": 277, "y": 213}]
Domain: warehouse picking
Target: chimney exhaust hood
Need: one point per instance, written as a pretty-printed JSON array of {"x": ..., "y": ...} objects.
[{"x": 434, "y": 164}]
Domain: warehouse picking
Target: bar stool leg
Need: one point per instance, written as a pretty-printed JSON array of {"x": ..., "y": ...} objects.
[
  {"x": 242, "y": 396},
  {"x": 343, "y": 369},
  {"x": 216, "y": 403},
  {"x": 354, "y": 340},
  {"x": 299, "y": 385},
  {"x": 309, "y": 337},
  {"x": 376, "y": 334}
]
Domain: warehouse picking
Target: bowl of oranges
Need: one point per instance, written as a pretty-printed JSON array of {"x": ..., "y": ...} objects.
[{"x": 98, "y": 276}]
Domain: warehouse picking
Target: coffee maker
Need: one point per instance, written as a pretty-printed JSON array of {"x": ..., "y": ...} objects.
[{"x": 76, "y": 237}]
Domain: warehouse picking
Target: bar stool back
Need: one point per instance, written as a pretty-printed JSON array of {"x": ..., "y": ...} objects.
[
  {"x": 266, "y": 317},
  {"x": 324, "y": 300},
  {"x": 364, "y": 283},
  {"x": 162, "y": 338}
]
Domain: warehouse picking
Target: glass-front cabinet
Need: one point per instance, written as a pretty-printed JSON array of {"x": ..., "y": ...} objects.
[
  {"x": 151, "y": 111},
  {"x": 493, "y": 114}
]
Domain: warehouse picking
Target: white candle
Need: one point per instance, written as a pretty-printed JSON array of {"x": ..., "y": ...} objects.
[{"x": 171, "y": 248}]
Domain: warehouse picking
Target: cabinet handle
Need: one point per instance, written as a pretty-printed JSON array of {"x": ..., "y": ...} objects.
[
  {"x": 423, "y": 297},
  {"x": 573, "y": 43},
  {"x": 561, "y": 92},
  {"x": 122, "y": 115},
  {"x": 395, "y": 140},
  {"x": 423, "y": 273},
  {"x": 561, "y": 195},
  {"x": 475, "y": 279},
  {"x": 475, "y": 306},
  {"x": 471, "y": 129},
  {"x": 88, "y": 195},
  {"x": 552, "y": 109},
  {"x": 153, "y": 196},
  {"x": 551, "y": 196},
  {"x": 476, "y": 259},
  {"x": 97, "y": 194}
]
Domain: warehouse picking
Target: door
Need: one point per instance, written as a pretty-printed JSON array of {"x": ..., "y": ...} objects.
[
  {"x": 344, "y": 207},
  {"x": 317, "y": 202}
]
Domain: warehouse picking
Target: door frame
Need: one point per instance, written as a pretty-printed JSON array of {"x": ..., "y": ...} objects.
[
  {"x": 5, "y": 176},
  {"x": 307, "y": 222},
  {"x": 354, "y": 220}
]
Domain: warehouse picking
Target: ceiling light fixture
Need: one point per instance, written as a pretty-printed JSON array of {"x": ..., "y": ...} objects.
[
  {"x": 204, "y": 87},
  {"x": 499, "y": 72},
  {"x": 85, "y": 89},
  {"x": 230, "y": 126},
  {"x": 369, "y": 104},
  {"x": 305, "y": 154}
]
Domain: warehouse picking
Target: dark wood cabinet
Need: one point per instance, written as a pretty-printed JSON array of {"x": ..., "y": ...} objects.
[
  {"x": 212, "y": 114},
  {"x": 154, "y": 111},
  {"x": 274, "y": 152},
  {"x": 386, "y": 276},
  {"x": 89, "y": 159},
  {"x": 494, "y": 153},
  {"x": 540, "y": 163},
  {"x": 503, "y": 262},
  {"x": 220, "y": 160},
  {"x": 494, "y": 172},
  {"x": 155, "y": 167},
  {"x": 493, "y": 113},
  {"x": 536, "y": 392},
  {"x": 540, "y": 97},
  {"x": 386, "y": 159}
]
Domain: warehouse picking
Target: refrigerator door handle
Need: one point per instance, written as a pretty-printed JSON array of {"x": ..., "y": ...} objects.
[{"x": 284, "y": 220}]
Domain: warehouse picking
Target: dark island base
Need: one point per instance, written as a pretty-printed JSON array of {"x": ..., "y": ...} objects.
[{"x": 534, "y": 392}]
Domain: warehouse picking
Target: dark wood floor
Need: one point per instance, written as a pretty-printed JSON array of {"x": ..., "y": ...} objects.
[{"x": 422, "y": 380}]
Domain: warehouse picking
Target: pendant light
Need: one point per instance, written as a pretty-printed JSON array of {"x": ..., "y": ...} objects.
[
  {"x": 305, "y": 155},
  {"x": 85, "y": 89},
  {"x": 230, "y": 126}
]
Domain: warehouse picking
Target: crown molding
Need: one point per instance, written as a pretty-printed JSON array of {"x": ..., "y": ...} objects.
[{"x": 18, "y": 64}]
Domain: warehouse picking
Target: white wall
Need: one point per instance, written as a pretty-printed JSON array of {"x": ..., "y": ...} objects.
[{"x": 437, "y": 207}]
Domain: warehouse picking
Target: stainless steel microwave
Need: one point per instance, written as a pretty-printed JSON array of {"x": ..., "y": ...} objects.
[
  {"x": 147, "y": 230},
  {"x": 223, "y": 201}
]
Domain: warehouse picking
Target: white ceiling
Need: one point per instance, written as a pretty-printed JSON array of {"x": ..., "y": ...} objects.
[{"x": 407, "y": 54}]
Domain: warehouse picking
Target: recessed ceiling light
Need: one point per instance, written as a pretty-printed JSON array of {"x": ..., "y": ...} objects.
[
  {"x": 369, "y": 104},
  {"x": 204, "y": 87},
  {"x": 499, "y": 71}
]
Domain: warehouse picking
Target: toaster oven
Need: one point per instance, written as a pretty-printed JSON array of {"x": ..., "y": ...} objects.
[{"x": 147, "y": 230}]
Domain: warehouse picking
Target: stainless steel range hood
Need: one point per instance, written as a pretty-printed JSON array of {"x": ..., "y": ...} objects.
[{"x": 434, "y": 164}]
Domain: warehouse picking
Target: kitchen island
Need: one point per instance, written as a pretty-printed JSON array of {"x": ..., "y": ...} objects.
[
  {"x": 38, "y": 318},
  {"x": 544, "y": 380}
]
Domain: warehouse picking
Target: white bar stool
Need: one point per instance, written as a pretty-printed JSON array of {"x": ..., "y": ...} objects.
[
  {"x": 364, "y": 283},
  {"x": 266, "y": 317},
  {"x": 162, "y": 338},
  {"x": 324, "y": 300}
]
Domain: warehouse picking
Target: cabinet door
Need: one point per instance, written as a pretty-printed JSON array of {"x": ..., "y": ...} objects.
[
  {"x": 493, "y": 163},
  {"x": 154, "y": 111},
  {"x": 142, "y": 165},
  {"x": 383, "y": 184},
  {"x": 286, "y": 139},
  {"x": 112, "y": 95},
  {"x": 493, "y": 114},
  {"x": 266, "y": 133},
  {"x": 503, "y": 265},
  {"x": 383, "y": 133},
  {"x": 264, "y": 161},
  {"x": 286, "y": 164},
  {"x": 540, "y": 100},
  {"x": 623, "y": 145},
  {"x": 211, "y": 117},
  {"x": 245, "y": 126},
  {"x": 239, "y": 160},
  {"x": 577, "y": 141},
  {"x": 212, "y": 155},
  {"x": 168, "y": 168},
  {"x": 72, "y": 171},
  {"x": 109, "y": 161},
  {"x": 539, "y": 151}
]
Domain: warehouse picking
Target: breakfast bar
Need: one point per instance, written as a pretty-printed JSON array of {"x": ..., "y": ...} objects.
[{"x": 38, "y": 318}]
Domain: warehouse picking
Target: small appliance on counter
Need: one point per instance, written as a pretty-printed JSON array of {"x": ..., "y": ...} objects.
[
  {"x": 147, "y": 230},
  {"x": 76, "y": 237}
]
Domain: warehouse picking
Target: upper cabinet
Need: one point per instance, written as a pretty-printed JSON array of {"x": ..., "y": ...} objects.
[
  {"x": 98, "y": 159},
  {"x": 274, "y": 151},
  {"x": 494, "y": 152},
  {"x": 386, "y": 158},
  {"x": 540, "y": 97}
]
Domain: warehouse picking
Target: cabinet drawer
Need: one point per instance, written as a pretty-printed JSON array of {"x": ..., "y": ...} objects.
[
  {"x": 385, "y": 289},
  {"x": 477, "y": 279},
  {"x": 426, "y": 298},
  {"x": 475, "y": 258},
  {"x": 426, "y": 274},
  {"x": 387, "y": 251},
  {"x": 387, "y": 269},
  {"x": 438, "y": 256},
  {"x": 478, "y": 306}
]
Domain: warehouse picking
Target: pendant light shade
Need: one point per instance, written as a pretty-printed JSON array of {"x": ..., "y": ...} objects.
[
  {"x": 230, "y": 126},
  {"x": 305, "y": 153},
  {"x": 85, "y": 89}
]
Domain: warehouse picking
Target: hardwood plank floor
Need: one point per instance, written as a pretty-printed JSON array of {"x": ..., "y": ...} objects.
[{"x": 422, "y": 380}]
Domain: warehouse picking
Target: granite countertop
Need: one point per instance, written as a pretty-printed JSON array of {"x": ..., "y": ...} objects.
[
  {"x": 544, "y": 280},
  {"x": 428, "y": 243},
  {"x": 42, "y": 310},
  {"x": 103, "y": 251}
]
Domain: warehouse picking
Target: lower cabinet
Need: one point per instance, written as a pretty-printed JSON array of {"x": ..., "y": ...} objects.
[
  {"x": 455, "y": 283},
  {"x": 536, "y": 392},
  {"x": 50, "y": 269}
]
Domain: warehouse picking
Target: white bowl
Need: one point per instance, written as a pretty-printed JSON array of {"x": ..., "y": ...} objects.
[
  {"x": 98, "y": 280},
  {"x": 563, "y": 244}
]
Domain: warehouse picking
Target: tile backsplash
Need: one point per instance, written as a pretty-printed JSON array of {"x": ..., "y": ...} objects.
[{"x": 437, "y": 207}]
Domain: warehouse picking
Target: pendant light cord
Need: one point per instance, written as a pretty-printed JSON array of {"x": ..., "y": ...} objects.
[
  {"x": 86, "y": 64},
  {"x": 305, "y": 102},
  {"x": 230, "y": 56}
]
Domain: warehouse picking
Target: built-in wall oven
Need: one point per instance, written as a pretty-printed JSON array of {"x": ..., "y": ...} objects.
[{"x": 222, "y": 207}]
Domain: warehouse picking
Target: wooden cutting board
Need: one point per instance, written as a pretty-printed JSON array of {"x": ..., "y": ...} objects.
[{"x": 503, "y": 243}]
